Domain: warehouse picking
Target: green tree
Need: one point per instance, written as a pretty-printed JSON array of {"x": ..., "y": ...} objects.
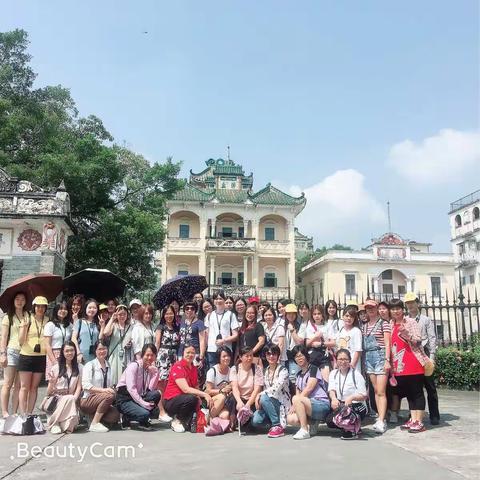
[
  {"x": 319, "y": 252},
  {"x": 118, "y": 198}
]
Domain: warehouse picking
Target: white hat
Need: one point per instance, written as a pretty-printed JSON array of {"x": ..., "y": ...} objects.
[{"x": 133, "y": 302}]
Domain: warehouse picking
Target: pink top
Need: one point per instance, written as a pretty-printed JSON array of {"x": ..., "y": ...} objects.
[
  {"x": 246, "y": 380},
  {"x": 138, "y": 381}
]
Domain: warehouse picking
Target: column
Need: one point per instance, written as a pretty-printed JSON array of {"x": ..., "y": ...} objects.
[
  {"x": 245, "y": 229},
  {"x": 212, "y": 227},
  {"x": 245, "y": 270},
  {"x": 255, "y": 282},
  {"x": 410, "y": 284},
  {"x": 202, "y": 264},
  {"x": 212, "y": 270},
  {"x": 376, "y": 286},
  {"x": 291, "y": 277}
]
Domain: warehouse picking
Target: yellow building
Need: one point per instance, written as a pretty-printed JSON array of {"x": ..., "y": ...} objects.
[
  {"x": 242, "y": 241},
  {"x": 389, "y": 267}
]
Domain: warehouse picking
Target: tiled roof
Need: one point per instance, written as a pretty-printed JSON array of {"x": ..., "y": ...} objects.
[
  {"x": 190, "y": 193},
  {"x": 273, "y": 196}
]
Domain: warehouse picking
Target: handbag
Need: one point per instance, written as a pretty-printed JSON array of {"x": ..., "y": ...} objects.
[
  {"x": 347, "y": 420},
  {"x": 429, "y": 367},
  {"x": 23, "y": 425},
  {"x": 49, "y": 404}
]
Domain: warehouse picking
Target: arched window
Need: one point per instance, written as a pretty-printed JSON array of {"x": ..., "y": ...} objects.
[
  {"x": 458, "y": 221},
  {"x": 476, "y": 213}
]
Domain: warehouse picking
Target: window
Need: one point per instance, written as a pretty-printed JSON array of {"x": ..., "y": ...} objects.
[
  {"x": 436, "y": 286},
  {"x": 321, "y": 290},
  {"x": 226, "y": 279},
  {"x": 270, "y": 280},
  {"x": 350, "y": 284},
  {"x": 387, "y": 288},
  {"x": 227, "y": 232},
  {"x": 269, "y": 233},
  {"x": 387, "y": 275},
  {"x": 472, "y": 279},
  {"x": 461, "y": 248},
  {"x": 241, "y": 232},
  {"x": 241, "y": 278},
  {"x": 183, "y": 272},
  {"x": 439, "y": 329},
  {"x": 402, "y": 290},
  {"x": 458, "y": 221},
  {"x": 476, "y": 214},
  {"x": 184, "y": 231},
  {"x": 464, "y": 281}
]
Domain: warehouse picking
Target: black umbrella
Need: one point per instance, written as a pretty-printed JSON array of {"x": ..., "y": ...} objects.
[
  {"x": 95, "y": 283},
  {"x": 180, "y": 288}
]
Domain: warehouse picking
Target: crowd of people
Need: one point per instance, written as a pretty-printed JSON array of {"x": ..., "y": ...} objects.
[{"x": 219, "y": 365}]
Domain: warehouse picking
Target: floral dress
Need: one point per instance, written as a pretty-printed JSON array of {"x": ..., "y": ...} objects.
[{"x": 167, "y": 353}]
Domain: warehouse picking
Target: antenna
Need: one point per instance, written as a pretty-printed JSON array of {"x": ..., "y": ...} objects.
[
  {"x": 228, "y": 152},
  {"x": 389, "y": 218}
]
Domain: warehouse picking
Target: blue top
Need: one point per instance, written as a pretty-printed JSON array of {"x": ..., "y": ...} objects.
[{"x": 88, "y": 336}]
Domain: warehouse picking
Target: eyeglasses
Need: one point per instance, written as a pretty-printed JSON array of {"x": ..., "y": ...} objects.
[
  {"x": 343, "y": 360},
  {"x": 271, "y": 354}
]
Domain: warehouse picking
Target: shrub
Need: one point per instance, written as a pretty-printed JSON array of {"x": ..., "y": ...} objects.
[{"x": 458, "y": 369}]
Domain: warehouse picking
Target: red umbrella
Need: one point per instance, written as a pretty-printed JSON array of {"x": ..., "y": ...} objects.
[{"x": 32, "y": 285}]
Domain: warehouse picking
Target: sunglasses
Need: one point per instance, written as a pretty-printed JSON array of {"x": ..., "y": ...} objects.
[
  {"x": 271, "y": 354},
  {"x": 189, "y": 308}
]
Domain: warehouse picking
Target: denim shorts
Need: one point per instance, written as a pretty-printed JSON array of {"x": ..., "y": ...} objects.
[
  {"x": 320, "y": 409},
  {"x": 13, "y": 357},
  {"x": 375, "y": 362}
]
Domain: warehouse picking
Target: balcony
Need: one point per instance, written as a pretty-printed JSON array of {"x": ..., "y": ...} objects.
[
  {"x": 234, "y": 290},
  {"x": 274, "y": 246},
  {"x": 234, "y": 244},
  {"x": 183, "y": 244},
  {"x": 469, "y": 259}
]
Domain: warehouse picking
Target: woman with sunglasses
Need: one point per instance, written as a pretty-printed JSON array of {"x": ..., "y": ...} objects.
[{"x": 273, "y": 403}]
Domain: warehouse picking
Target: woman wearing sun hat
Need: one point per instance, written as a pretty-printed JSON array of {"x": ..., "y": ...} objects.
[{"x": 33, "y": 355}]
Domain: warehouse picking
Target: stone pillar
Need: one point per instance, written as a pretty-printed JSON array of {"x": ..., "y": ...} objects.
[
  {"x": 202, "y": 264},
  {"x": 213, "y": 233},
  {"x": 245, "y": 270},
  {"x": 212, "y": 270},
  {"x": 245, "y": 229},
  {"x": 255, "y": 280}
]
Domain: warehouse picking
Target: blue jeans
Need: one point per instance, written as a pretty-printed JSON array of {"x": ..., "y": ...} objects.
[
  {"x": 320, "y": 409},
  {"x": 133, "y": 412},
  {"x": 269, "y": 410},
  {"x": 211, "y": 359}
]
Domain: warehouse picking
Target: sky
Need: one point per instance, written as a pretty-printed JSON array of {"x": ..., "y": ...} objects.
[{"x": 353, "y": 103}]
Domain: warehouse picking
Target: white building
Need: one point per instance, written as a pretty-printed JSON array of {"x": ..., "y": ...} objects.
[
  {"x": 242, "y": 241},
  {"x": 465, "y": 237}
]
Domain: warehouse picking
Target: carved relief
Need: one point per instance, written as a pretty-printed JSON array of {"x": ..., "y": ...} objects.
[
  {"x": 62, "y": 241},
  {"x": 24, "y": 186},
  {"x": 6, "y": 205},
  {"x": 49, "y": 238},
  {"x": 29, "y": 205},
  {"x": 6, "y": 183},
  {"x": 29, "y": 240}
]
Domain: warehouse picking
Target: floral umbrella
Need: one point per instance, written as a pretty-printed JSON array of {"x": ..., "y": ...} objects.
[{"x": 180, "y": 288}]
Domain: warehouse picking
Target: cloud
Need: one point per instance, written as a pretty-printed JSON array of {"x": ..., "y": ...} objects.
[
  {"x": 450, "y": 155},
  {"x": 339, "y": 209}
]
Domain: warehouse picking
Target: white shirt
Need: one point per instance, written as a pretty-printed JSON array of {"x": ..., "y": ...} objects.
[
  {"x": 352, "y": 341},
  {"x": 59, "y": 334},
  {"x": 344, "y": 386},
  {"x": 333, "y": 327},
  {"x": 220, "y": 323},
  {"x": 313, "y": 329},
  {"x": 274, "y": 334},
  {"x": 216, "y": 378},
  {"x": 93, "y": 376},
  {"x": 141, "y": 335}
]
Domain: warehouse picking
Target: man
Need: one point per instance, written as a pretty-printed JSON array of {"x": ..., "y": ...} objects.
[
  {"x": 134, "y": 305},
  {"x": 429, "y": 343}
]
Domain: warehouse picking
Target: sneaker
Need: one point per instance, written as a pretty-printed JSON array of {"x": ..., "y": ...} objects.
[
  {"x": 407, "y": 424},
  {"x": 313, "y": 428},
  {"x": 56, "y": 430},
  {"x": 165, "y": 418},
  {"x": 373, "y": 414},
  {"x": 98, "y": 428},
  {"x": 393, "y": 417},
  {"x": 144, "y": 427},
  {"x": 276, "y": 432},
  {"x": 177, "y": 426},
  {"x": 416, "y": 427},
  {"x": 301, "y": 435},
  {"x": 349, "y": 436},
  {"x": 379, "y": 426}
]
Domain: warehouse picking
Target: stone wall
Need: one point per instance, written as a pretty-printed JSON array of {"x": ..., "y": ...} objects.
[{"x": 18, "y": 266}]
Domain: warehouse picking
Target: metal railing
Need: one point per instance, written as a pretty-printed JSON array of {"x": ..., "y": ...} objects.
[{"x": 466, "y": 200}]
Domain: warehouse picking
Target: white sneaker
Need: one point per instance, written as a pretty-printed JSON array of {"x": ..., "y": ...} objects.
[
  {"x": 393, "y": 417},
  {"x": 98, "y": 428},
  {"x": 177, "y": 426},
  {"x": 55, "y": 430},
  {"x": 379, "y": 427},
  {"x": 165, "y": 418},
  {"x": 301, "y": 435}
]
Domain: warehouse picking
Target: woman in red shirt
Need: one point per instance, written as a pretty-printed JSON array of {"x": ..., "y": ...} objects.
[
  {"x": 182, "y": 393},
  {"x": 407, "y": 363}
]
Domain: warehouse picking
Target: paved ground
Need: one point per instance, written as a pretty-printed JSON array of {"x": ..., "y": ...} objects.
[{"x": 449, "y": 451}]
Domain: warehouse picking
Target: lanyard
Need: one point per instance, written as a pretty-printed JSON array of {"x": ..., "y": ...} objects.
[
  {"x": 144, "y": 380},
  {"x": 219, "y": 322},
  {"x": 39, "y": 331},
  {"x": 340, "y": 386},
  {"x": 91, "y": 331},
  {"x": 105, "y": 374}
]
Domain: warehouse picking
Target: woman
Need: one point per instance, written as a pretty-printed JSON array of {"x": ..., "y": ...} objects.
[
  {"x": 99, "y": 391},
  {"x": 261, "y": 310},
  {"x": 76, "y": 307},
  {"x": 239, "y": 308},
  {"x": 346, "y": 386},
  {"x": 32, "y": 360},
  {"x": 119, "y": 332},
  {"x": 193, "y": 332},
  {"x": 219, "y": 387},
  {"x": 182, "y": 395},
  {"x": 310, "y": 404},
  {"x": 12, "y": 322},
  {"x": 303, "y": 317},
  {"x": 408, "y": 360},
  {"x": 384, "y": 311},
  {"x": 198, "y": 298},
  {"x": 65, "y": 383},
  {"x": 229, "y": 303},
  {"x": 350, "y": 337},
  {"x": 281, "y": 304},
  {"x": 247, "y": 380},
  {"x": 142, "y": 332},
  {"x": 315, "y": 335},
  {"x": 334, "y": 323},
  {"x": 252, "y": 333},
  {"x": 273, "y": 404},
  {"x": 292, "y": 338},
  {"x": 167, "y": 341},
  {"x": 206, "y": 307},
  {"x": 86, "y": 332},
  {"x": 376, "y": 345},
  {"x": 111, "y": 307},
  {"x": 274, "y": 330},
  {"x": 57, "y": 331},
  {"x": 137, "y": 394}
]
